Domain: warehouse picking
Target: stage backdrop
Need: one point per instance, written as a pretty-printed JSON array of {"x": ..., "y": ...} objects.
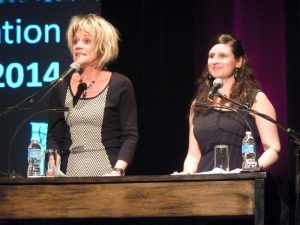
[
  {"x": 260, "y": 25},
  {"x": 33, "y": 53},
  {"x": 163, "y": 50}
]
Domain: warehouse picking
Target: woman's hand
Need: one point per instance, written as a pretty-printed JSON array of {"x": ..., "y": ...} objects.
[
  {"x": 180, "y": 173},
  {"x": 51, "y": 166},
  {"x": 113, "y": 173}
]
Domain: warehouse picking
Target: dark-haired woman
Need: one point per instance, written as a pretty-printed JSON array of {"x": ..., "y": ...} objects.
[{"x": 210, "y": 126}]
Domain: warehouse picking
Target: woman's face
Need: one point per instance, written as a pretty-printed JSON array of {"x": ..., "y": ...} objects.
[
  {"x": 222, "y": 62},
  {"x": 82, "y": 49}
]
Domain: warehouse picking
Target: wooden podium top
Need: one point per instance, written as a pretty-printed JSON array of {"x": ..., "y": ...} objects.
[
  {"x": 134, "y": 179},
  {"x": 133, "y": 196}
]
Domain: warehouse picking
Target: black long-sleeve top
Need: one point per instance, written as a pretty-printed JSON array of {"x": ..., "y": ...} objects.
[{"x": 119, "y": 128}]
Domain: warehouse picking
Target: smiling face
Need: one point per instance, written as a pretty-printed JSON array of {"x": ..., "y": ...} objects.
[
  {"x": 83, "y": 50},
  {"x": 221, "y": 61}
]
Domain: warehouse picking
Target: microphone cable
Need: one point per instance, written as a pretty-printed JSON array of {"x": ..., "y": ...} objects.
[
  {"x": 18, "y": 129},
  {"x": 228, "y": 108}
]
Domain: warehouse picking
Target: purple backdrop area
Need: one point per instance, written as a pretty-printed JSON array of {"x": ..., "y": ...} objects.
[{"x": 260, "y": 26}]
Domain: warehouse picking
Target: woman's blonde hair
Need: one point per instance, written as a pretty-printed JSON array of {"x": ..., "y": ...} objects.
[{"x": 105, "y": 36}]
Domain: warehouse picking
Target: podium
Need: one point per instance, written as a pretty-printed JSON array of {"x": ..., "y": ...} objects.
[{"x": 155, "y": 196}]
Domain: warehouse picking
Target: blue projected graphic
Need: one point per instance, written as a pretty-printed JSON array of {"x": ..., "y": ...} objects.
[
  {"x": 39, "y": 130},
  {"x": 17, "y": 33},
  {"x": 34, "y": 54},
  {"x": 13, "y": 76}
]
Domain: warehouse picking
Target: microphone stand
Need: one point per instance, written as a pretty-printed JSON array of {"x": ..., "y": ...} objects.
[
  {"x": 27, "y": 99},
  {"x": 30, "y": 99},
  {"x": 296, "y": 140},
  {"x": 287, "y": 130},
  {"x": 13, "y": 175}
]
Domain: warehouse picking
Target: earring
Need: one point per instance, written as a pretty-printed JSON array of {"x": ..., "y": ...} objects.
[
  {"x": 210, "y": 78},
  {"x": 237, "y": 74}
]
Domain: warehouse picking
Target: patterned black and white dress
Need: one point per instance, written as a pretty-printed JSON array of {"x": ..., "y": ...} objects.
[{"x": 95, "y": 132}]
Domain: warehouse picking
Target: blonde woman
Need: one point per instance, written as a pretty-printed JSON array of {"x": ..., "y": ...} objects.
[{"x": 98, "y": 135}]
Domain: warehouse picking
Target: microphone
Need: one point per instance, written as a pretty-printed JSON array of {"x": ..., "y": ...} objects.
[
  {"x": 74, "y": 67},
  {"x": 217, "y": 84}
]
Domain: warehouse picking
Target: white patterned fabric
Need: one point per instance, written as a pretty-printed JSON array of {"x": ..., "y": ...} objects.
[
  {"x": 88, "y": 156},
  {"x": 96, "y": 132}
]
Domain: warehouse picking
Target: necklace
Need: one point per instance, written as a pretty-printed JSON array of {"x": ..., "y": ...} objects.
[{"x": 84, "y": 92}]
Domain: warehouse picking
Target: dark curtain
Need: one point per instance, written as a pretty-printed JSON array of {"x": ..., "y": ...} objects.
[
  {"x": 255, "y": 23},
  {"x": 157, "y": 50},
  {"x": 164, "y": 49}
]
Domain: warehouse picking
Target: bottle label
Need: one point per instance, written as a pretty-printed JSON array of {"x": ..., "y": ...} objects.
[
  {"x": 34, "y": 153},
  {"x": 246, "y": 148}
]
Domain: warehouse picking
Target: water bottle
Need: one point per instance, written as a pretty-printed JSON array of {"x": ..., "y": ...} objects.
[
  {"x": 34, "y": 159},
  {"x": 249, "y": 152}
]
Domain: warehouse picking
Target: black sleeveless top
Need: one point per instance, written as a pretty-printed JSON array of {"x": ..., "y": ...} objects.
[{"x": 222, "y": 127}]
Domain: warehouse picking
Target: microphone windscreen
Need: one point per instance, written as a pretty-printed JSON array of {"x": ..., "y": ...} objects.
[
  {"x": 75, "y": 66},
  {"x": 219, "y": 82}
]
